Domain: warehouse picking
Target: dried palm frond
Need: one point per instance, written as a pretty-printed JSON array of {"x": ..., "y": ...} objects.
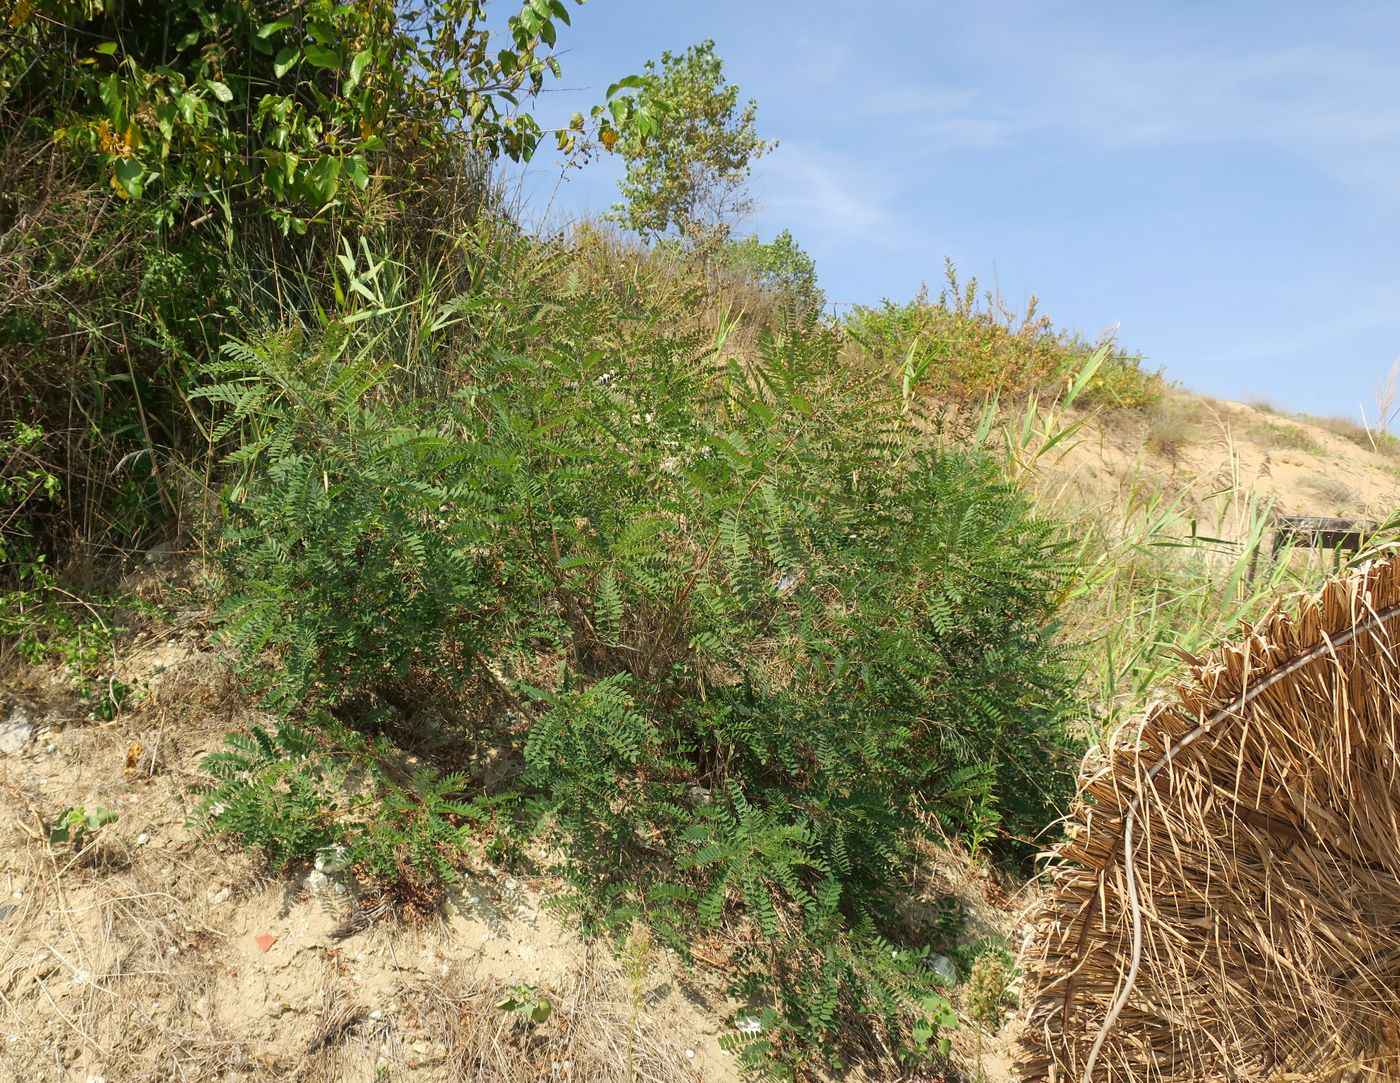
[{"x": 1227, "y": 903}]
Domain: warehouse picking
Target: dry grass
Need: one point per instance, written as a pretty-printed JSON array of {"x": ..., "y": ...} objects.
[
  {"x": 1376, "y": 439},
  {"x": 1168, "y": 435},
  {"x": 1226, "y": 905},
  {"x": 1335, "y": 494},
  {"x": 1371, "y": 439},
  {"x": 1173, "y": 425},
  {"x": 591, "y": 1035},
  {"x": 103, "y": 972},
  {"x": 1363, "y": 436},
  {"x": 108, "y": 963},
  {"x": 1285, "y": 436}
]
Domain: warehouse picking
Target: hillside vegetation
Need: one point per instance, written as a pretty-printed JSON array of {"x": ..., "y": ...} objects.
[{"x": 612, "y": 565}]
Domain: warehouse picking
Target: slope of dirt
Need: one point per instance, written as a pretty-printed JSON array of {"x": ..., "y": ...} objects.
[
  {"x": 1203, "y": 447},
  {"x": 160, "y": 955}
]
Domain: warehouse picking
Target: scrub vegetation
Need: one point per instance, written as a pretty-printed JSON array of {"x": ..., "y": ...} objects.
[{"x": 757, "y": 603}]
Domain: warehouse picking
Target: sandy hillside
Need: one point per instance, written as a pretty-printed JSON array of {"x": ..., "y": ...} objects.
[
  {"x": 160, "y": 955},
  {"x": 1203, "y": 447}
]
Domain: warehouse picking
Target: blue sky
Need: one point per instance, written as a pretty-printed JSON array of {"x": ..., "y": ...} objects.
[{"x": 1220, "y": 181}]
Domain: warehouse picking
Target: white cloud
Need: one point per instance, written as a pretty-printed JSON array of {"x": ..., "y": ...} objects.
[
  {"x": 1117, "y": 83},
  {"x": 818, "y": 192}
]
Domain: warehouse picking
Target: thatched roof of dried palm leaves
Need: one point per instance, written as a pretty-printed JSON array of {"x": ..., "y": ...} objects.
[{"x": 1227, "y": 904}]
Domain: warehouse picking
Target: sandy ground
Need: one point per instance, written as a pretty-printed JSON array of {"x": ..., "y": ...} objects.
[
  {"x": 1206, "y": 446},
  {"x": 160, "y": 955}
]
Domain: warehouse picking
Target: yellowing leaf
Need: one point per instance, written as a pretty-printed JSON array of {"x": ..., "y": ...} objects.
[
  {"x": 20, "y": 15},
  {"x": 609, "y": 138}
]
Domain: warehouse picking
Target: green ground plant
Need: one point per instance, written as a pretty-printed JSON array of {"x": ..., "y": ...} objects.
[
  {"x": 41, "y": 622},
  {"x": 77, "y": 824},
  {"x": 319, "y": 793}
]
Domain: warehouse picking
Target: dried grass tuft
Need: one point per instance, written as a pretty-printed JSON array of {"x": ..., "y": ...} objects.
[
  {"x": 592, "y": 1034},
  {"x": 1227, "y": 904}
]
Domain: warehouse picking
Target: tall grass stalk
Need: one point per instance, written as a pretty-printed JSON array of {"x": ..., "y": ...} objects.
[{"x": 1161, "y": 571}]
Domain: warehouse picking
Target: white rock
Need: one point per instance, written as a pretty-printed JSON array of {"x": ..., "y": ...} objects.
[
  {"x": 142, "y": 839},
  {"x": 332, "y": 859},
  {"x": 317, "y": 881},
  {"x": 159, "y": 553},
  {"x": 16, "y": 732},
  {"x": 944, "y": 968}
]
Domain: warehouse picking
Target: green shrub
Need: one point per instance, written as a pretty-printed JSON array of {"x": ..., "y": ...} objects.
[
  {"x": 358, "y": 556},
  {"x": 25, "y": 482},
  {"x": 43, "y": 623},
  {"x": 959, "y": 347},
  {"x": 171, "y": 163},
  {"x": 1288, "y": 437},
  {"x": 761, "y": 635}
]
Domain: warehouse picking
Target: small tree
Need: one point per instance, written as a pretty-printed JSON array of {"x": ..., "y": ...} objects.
[
  {"x": 692, "y": 175},
  {"x": 780, "y": 266},
  {"x": 284, "y": 107}
]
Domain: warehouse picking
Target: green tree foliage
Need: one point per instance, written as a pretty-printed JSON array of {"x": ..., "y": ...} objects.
[
  {"x": 779, "y": 266},
  {"x": 262, "y": 106},
  {"x": 691, "y": 176},
  {"x": 167, "y": 164},
  {"x": 757, "y": 635}
]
